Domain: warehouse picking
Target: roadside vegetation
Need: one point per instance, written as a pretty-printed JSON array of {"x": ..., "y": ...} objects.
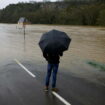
[
  {"x": 72, "y": 12},
  {"x": 97, "y": 65}
]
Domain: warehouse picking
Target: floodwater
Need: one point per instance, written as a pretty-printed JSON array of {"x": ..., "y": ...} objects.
[{"x": 88, "y": 44}]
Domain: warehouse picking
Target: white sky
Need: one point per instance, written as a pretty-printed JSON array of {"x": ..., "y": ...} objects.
[{"x": 4, "y": 3}]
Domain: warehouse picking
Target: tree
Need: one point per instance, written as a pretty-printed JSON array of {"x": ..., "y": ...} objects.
[{"x": 101, "y": 18}]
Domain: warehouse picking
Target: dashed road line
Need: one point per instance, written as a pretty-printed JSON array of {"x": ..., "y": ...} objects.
[
  {"x": 54, "y": 93},
  {"x": 60, "y": 98},
  {"x": 25, "y": 68}
]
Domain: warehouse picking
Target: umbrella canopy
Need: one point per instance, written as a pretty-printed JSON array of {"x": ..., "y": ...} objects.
[{"x": 54, "y": 41}]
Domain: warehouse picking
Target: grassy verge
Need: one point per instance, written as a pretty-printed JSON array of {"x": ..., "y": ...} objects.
[{"x": 97, "y": 65}]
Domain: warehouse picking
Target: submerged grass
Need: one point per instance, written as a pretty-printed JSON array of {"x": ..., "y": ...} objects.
[{"x": 97, "y": 65}]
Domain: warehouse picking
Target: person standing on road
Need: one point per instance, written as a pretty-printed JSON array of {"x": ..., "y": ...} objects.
[
  {"x": 53, "y": 44},
  {"x": 52, "y": 68}
]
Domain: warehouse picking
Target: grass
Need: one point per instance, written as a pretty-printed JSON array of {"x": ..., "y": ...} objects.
[{"x": 97, "y": 65}]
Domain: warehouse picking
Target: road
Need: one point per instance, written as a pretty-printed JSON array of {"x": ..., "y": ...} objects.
[
  {"x": 18, "y": 87},
  {"x": 23, "y": 69}
]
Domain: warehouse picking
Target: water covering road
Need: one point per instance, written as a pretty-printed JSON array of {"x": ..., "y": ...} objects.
[{"x": 79, "y": 83}]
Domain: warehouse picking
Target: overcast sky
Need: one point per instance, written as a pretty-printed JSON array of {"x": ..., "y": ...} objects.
[{"x": 4, "y": 3}]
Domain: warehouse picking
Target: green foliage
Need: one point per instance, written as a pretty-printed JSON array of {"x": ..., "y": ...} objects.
[
  {"x": 97, "y": 65},
  {"x": 101, "y": 18},
  {"x": 73, "y": 13}
]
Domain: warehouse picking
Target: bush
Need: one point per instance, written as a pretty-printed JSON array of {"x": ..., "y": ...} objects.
[
  {"x": 56, "y": 13},
  {"x": 101, "y": 18}
]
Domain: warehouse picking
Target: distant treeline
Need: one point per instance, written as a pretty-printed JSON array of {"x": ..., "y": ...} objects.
[{"x": 83, "y": 12}]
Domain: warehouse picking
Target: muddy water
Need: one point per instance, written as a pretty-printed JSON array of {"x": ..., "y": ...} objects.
[{"x": 88, "y": 43}]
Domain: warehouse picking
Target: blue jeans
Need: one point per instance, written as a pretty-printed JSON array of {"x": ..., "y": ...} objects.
[{"x": 50, "y": 68}]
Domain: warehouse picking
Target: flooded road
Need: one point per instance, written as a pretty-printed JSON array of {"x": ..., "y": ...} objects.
[
  {"x": 85, "y": 84},
  {"x": 88, "y": 44}
]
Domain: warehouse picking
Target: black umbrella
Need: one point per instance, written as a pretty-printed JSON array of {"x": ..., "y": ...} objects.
[{"x": 54, "y": 41}]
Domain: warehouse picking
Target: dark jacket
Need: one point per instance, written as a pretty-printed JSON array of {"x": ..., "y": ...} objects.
[{"x": 52, "y": 58}]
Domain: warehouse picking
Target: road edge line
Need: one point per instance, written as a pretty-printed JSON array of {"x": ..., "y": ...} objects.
[
  {"x": 60, "y": 98},
  {"x": 21, "y": 65}
]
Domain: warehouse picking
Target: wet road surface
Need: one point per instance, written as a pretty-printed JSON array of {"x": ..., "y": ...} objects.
[
  {"x": 78, "y": 83},
  {"x": 20, "y": 88}
]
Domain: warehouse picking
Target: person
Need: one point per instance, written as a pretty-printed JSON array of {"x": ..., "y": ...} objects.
[{"x": 52, "y": 68}]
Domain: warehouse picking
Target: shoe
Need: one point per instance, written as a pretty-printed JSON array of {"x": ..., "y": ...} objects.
[
  {"x": 46, "y": 89},
  {"x": 55, "y": 89}
]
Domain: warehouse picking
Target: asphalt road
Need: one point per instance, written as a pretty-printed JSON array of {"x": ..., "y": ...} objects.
[
  {"x": 18, "y": 87},
  {"x": 78, "y": 83}
]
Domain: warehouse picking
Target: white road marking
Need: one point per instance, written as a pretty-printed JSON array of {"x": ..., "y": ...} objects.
[
  {"x": 25, "y": 68},
  {"x": 60, "y": 98},
  {"x": 54, "y": 93}
]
